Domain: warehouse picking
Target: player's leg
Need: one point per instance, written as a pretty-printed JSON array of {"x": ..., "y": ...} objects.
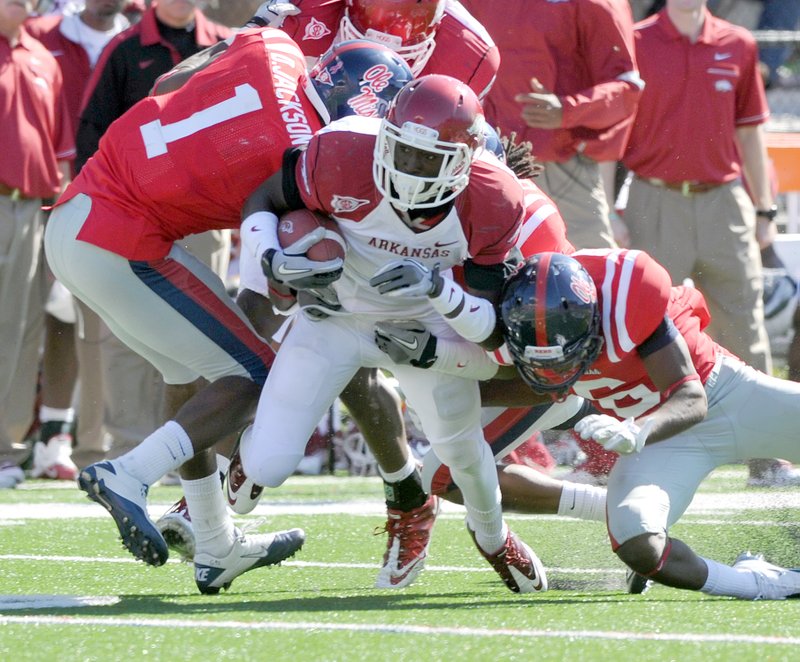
[
  {"x": 649, "y": 491},
  {"x": 449, "y": 411},
  {"x": 376, "y": 408},
  {"x": 315, "y": 362},
  {"x": 188, "y": 330}
]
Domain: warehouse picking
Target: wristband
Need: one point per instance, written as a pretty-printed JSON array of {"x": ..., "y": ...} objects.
[
  {"x": 770, "y": 214},
  {"x": 259, "y": 233}
]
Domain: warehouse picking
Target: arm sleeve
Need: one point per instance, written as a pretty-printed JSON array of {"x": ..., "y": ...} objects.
[{"x": 606, "y": 31}]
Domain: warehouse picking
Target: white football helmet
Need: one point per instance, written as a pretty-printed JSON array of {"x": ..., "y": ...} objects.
[
  {"x": 406, "y": 26},
  {"x": 780, "y": 302},
  {"x": 438, "y": 115}
]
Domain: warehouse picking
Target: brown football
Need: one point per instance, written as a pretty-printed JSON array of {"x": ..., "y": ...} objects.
[{"x": 296, "y": 224}]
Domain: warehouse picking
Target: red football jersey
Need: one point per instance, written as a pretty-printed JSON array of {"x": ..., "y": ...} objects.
[
  {"x": 335, "y": 177},
  {"x": 634, "y": 294},
  {"x": 185, "y": 162},
  {"x": 464, "y": 49},
  {"x": 543, "y": 229}
]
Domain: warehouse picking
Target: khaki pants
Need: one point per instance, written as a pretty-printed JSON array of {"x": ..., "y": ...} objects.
[
  {"x": 577, "y": 189},
  {"x": 710, "y": 238},
  {"x": 22, "y": 296}
]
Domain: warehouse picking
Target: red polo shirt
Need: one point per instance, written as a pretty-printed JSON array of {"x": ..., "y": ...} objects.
[
  {"x": 34, "y": 125},
  {"x": 71, "y": 57},
  {"x": 696, "y": 95},
  {"x": 581, "y": 50}
]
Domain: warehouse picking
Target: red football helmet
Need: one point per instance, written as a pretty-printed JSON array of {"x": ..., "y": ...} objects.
[
  {"x": 438, "y": 115},
  {"x": 405, "y": 26}
]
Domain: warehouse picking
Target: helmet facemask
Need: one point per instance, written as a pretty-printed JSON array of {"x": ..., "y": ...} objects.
[
  {"x": 407, "y": 191},
  {"x": 552, "y": 322},
  {"x": 408, "y": 28}
]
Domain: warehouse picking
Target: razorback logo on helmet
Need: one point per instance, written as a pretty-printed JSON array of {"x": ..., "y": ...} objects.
[
  {"x": 369, "y": 103},
  {"x": 345, "y": 204},
  {"x": 316, "y": 30},
  {"x": 583, "y": 289},
  {"x": 323, "y": 76}
]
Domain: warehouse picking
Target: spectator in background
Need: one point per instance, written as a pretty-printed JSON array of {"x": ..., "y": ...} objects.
[
  {"x": 76, "y": 41},
  {"x": 37, "y": 145},
  {"x": 777, "y": 15},
  {"x": 698, "y": 131},
  {"x": 169, "y": 31},
  {"x": 568, "y": 83}
]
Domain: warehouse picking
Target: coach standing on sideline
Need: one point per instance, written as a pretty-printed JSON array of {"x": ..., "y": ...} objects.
[{"x": 36, "y": 150}]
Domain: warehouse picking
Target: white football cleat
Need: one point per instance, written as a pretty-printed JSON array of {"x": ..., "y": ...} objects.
[
  {"x": 518, "y": 567},
  {"x": 212, "y": 573},
  {"x": 176, "y": 527},
  {"x": 241, "y": 492}
]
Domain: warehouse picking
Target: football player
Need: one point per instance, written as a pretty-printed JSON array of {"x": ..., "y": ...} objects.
[
  {"x": 410, "y": 493},
  {"x": 608, "y": 325},
  {"x": 418, "y": 197},
  {"x": 434, "y": 36},
  {"x": 174, "y": 165}
]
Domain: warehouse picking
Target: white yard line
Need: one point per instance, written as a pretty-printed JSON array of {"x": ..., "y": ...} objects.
[
  {"x": 317, "y": 626},
  {"x": 703, "y": 504}
]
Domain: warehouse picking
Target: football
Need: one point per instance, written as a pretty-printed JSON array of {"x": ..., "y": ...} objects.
[{"x": 296, "y": 224}]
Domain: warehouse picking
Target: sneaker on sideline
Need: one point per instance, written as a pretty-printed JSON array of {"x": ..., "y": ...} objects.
[
  {"x": 518, "y": 567},
  {"x": 248, "y": 552},
  {"x": 774, "y": 582},
  {"x": 176, "y": 527},
  {"x": 779, "y": 474},
  {"x": 407, "y": 547},
  {"x": 53, "y": 458},
  {"x": 11, "y": 475},
  {"x": 125, "y": 498}
]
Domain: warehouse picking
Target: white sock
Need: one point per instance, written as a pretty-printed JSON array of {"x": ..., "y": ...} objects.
[
  {"x": 163, "y": 451},
  {"x": 481, "y": 492},
  {"x": 586, "y": 502},
  {"x": 404, "y": 472},
  {"x": 490, "y": 529},
  {"x": 223, "y": 463},
  {"x": 214, "y": 532},
  {"x": 733, "y": 582},
  {"x": 47, "y": 414}
]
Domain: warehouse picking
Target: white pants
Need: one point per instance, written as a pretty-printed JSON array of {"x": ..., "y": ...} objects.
[
  {"x": 750, "y": 415},
  {"x": 314, "y": 364}
]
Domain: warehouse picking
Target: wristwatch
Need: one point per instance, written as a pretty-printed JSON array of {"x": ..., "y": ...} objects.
[{"x": 769, "y": 214}]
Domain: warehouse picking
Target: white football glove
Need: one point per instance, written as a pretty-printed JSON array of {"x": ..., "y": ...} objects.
[
  {"x": 291, "y": 267},
  {"x": 406, "y": 342},
  {"x": 623, "y": 437},
  {"x": 407, "y": 278},
  {"x": 272, "y": 13}
]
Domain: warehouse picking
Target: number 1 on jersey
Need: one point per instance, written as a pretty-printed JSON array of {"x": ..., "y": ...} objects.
[{"x": 158, "y": 136}]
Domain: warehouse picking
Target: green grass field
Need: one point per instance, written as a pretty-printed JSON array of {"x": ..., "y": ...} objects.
[{"x": 69, "y": 590}]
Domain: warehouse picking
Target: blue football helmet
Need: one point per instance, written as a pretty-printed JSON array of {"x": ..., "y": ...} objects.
[
  {"x": 359, "y": 77},
  {"x": 552, "y": 321}
]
